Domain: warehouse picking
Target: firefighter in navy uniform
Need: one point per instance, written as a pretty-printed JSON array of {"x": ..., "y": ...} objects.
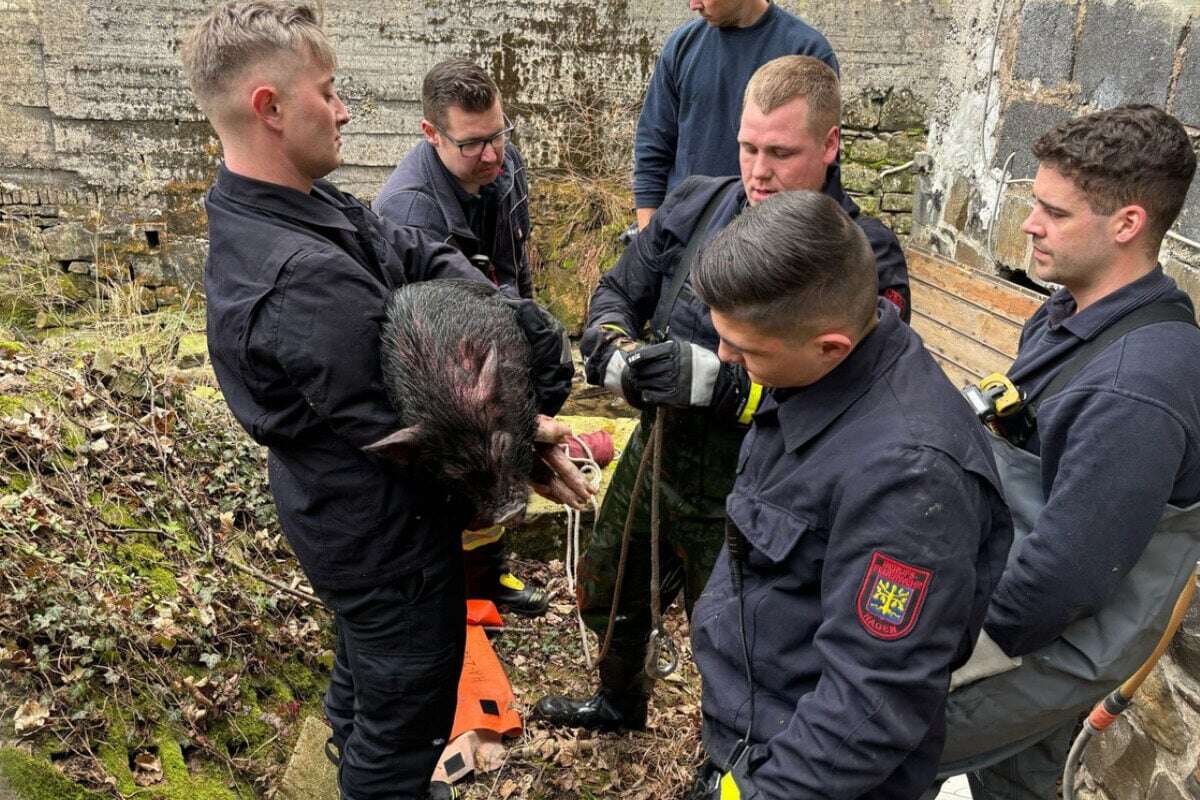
[
  {"x": 789, "y": 140},
  {"x": 297, "y": 279},
  {"x": 1101, "y": 466},
  {"x": 866, "y": 528}
]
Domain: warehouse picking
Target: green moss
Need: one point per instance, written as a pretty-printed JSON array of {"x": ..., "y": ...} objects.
[
  {"x": 181, "y": 784},
  {"x": 193, "y": 349},
  {"x": 242, "y": 733},
  {"x": 178, "y": 782},
  {"x": 73, "y": 436},
  {"x": 162, "y": 583},
  {"x": 147, "y": 562},
  {"x": 11, "y": 405},
  {"x": 113, "y": 514},
  {"x": 34, "y": 779},
  {"x": 303, "y": 680},
  {"x": 16, "y": 482},
  {"x": 275, "y": 691}
]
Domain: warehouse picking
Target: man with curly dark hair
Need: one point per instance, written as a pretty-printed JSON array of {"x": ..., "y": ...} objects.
[{"x": 1111, "y": 366}]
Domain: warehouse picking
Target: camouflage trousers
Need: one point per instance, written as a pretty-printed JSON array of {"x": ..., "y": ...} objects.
[{"x": 699, "y": 465}]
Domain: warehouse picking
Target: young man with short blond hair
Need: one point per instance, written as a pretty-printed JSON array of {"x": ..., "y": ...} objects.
[
  {"x": 689, "y": 119},
  {"x": 297, "y": 279},
  {"x": 792, "y": 145}
]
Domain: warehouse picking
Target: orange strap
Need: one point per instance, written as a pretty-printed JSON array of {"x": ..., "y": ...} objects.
[{"x": 485, "y": 697}]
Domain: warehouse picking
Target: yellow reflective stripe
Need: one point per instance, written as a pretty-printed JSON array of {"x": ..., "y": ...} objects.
[
  {"x": 752, "y": 402},
  {"x": 729, "y": 787},
  {"x": 510, "y": 581},
  {"x": 473, "y": 539},
  {"x": 608, "y": 326}
]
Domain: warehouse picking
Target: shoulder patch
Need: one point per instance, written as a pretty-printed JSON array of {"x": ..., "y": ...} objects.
[{"x": 891, "y": 596}]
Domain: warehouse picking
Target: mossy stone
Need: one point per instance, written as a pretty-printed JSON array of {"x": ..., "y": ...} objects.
[
  {"x": 178, "y": 782},
  {"x": 34, "y": 779}
]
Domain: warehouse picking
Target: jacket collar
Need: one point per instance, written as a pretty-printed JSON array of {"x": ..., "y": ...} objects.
[
  {"x": 447, "y": 191},
  {"x": 1060, "y": 308},
  {"x": 805, "y": 412},
  {"x": 323, "y": 206},
  {"x": 832, "y": 188}
]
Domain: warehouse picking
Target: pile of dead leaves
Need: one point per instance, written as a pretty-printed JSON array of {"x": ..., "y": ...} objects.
[
  {"x": 127, "y": 497},
  {"x": 145, "y": 588}
]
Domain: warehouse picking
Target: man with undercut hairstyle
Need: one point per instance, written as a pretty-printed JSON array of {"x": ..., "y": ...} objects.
[
  {"x": 1103, "y": 469},
  {"x": 788, "y": 139},
  {"x": 865, "y": 529},
  {"x": 465, "y": 185},
  {"x": 297, "y": 279}
]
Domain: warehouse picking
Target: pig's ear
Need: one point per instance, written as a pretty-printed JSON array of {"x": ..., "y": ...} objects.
[
  {"x": 404, "y": 445},
  {"x": 502, "y": 443},
  {"x": 488, "y": 382}
]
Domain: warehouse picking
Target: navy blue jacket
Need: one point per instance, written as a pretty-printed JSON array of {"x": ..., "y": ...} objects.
[
  {"x": 296, "y": 286},
  {"x": 876, "y": 532},
  {"x": 422, "y": 193},
  {"x": 628, "y": 294},
  {"x": 1120, "y": 441},
  {"x": 693, "y": 106}
]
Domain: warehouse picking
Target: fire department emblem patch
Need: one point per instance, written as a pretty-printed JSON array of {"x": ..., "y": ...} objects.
[{"x": 891, "y": 596}]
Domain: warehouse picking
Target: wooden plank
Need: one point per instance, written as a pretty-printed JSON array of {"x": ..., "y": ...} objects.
[
  {"x": 968, "y": 319},
  {"x": 961, "y": 350},
  {"x": 957, "y": 375},
  {"x": 1016, "y": 303}
]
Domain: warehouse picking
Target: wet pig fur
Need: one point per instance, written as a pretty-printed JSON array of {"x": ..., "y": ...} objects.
[{"x": 456, "y": 367}]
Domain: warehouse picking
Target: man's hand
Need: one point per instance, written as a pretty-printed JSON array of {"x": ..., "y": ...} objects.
[
  {"x": 675, "y": 373},
  {"x": 554, "y": 476}
]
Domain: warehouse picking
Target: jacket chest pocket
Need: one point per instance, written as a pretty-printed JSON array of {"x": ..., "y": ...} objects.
[{"x": 774, "y": 533}]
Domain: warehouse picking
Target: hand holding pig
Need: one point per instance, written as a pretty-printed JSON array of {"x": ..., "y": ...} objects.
[{"x": 555, "y": 476}]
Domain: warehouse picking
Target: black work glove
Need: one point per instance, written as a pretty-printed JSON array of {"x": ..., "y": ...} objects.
[
  {"x": 550, "y": 366},
  {"x": 608, "y": 348},
  {"x": 675, "y": 373}
]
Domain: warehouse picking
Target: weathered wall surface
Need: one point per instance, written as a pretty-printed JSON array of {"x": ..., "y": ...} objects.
[
  {"x": 1054, "y": 59},
  {"x": 1006, "y": 82},
  {"x": 100, "y": 133}
]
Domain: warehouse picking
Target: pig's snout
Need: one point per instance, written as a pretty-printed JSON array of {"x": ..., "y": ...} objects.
[{"x": 511, "y": 514}]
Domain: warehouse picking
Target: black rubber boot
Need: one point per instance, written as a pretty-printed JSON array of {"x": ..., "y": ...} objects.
[
  {"x": 600, "y": 712},
  {"x": 442, "y": 791},
  {"x": 488, "y": 578},
  {"x": 515, "y": 595}
]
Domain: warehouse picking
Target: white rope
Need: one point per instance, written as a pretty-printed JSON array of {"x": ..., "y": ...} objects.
[{"x": 591, "y": 471}]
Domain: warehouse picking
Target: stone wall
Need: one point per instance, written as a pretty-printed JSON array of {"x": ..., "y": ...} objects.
[
  {"x": 101, "y": 137},
  {"x": 1012, "y": 70},
  {"x": 1006, "y": 81}
]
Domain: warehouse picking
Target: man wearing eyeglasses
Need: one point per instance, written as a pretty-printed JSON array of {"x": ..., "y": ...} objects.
[{"x": 465, "y": 184}]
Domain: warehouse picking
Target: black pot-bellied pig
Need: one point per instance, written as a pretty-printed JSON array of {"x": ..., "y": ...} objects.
[{"x": 456, "y": 367}]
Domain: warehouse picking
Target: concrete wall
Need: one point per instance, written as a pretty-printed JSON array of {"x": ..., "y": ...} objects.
[
  {"x": 1054, "y": 59},
  {"x": 94, "y": 102},
  {"x": 101, "y": 135}
]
